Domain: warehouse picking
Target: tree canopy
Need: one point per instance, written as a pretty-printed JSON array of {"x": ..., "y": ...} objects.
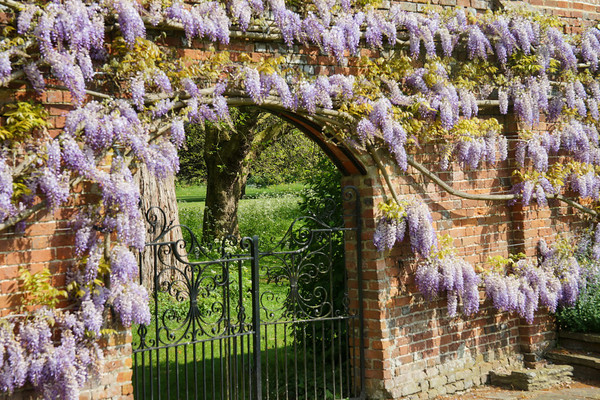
[{"x": 132, "y": 97}]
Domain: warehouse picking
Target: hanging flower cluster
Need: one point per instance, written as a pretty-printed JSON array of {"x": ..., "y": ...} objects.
[
  {"x": 555, "y": 281},
  {"x": 392, "y": 228},
  {"x": 445, "y": 272},
  {"x": 56, "y": 371}
]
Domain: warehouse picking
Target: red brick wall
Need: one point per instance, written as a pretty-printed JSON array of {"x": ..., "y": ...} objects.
[{"x": 413, "y": 347}]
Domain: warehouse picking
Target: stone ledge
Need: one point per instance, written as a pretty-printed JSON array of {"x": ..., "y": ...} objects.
[
  {"x": 588, "y": 342},
  {"x": 574, "y": 358},
  {"x": 532, "y": 379},
  {"x": 585, "y": 337}
]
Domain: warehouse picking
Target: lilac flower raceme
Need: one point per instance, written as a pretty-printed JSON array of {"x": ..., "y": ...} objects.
[
  {"x": 477, "y": 44},
  {"x": 66, "y": 70},
  {"x": 447, "y": 41},
  {"x": 55, "y": 187},
  {"x": 309, "y": 95},
  {"x": 428, "y": 279},
  {"x": 595, "y": 245},
  {"x": 242, "y": 13},
  {"x": 252, "y": 84},
  {"x": 162, "y": 108},
  {"x": 5, "y": 66},
  {"x": 7, "y": 209},
  {"x": 589, "y": 49},
  {"x": 35, "y": 77},
  {"x": 124, "y": 266},
  {"x": 178, "y": 132},
  {"x": 365, "y": 129},
  {"x": 92, "y": 316},
  {"x": 388, "y": 232},
  {"x": 454, "y": 276},
  {"x": 373, "y": 34},
  {"x": 13, "y": 364},
  {"x": 562, "y": 50},
  {"x": 131, "y": 303},
  {"x": 25, "y": 18},
  {"x": 162, "y": 81},
  {"x": 190, "y": 87},
  {"x": 138, "y": 92},
  {"x": 421, "y": 231},
  {"x": 283, "y": 90},
  {"x": 130, "y": 21}
]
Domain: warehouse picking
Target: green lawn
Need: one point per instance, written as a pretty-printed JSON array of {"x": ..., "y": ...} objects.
[
  {"x": 197, "y": 193},
  {"x": 268, "y": 215}
]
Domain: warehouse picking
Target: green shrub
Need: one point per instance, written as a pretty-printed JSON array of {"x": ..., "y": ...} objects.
[
  {"x": 584, "y": 316},
  {"x": 323, "y": 199}
]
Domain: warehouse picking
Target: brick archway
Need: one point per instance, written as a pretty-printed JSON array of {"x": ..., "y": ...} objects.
[{"x": 343, "y": 157}]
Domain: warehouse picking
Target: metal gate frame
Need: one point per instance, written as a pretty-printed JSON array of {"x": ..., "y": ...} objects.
[{"x": 169, "y": 254}]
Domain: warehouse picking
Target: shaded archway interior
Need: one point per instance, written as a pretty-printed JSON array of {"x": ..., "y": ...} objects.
[{"x": 339, "y": 154}]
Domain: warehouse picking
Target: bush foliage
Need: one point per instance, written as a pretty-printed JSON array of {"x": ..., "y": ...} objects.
[{"x": 584, "y": 316}]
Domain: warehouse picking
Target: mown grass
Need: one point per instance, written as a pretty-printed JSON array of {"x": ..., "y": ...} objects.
[
  {"x": 197, "y": 193},
  {"x": 267, "y": 216}
]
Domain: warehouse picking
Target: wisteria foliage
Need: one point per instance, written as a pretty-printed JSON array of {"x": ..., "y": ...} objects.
[{"x": 420, "y": 94}]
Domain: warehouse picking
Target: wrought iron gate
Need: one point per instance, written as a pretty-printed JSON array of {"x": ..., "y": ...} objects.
[{"x": 248, "y": 320}]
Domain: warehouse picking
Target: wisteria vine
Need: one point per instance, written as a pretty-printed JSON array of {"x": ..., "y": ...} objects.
[{"x": 131, "y": 100}]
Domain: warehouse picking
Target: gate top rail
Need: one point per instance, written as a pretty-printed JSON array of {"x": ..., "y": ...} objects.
[{"x": 229, "y": 248}]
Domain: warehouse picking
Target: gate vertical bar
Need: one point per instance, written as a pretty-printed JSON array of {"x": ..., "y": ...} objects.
[{"x": 257, "y": 377}]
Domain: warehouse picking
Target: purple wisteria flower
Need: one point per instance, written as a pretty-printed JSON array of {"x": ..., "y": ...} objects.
[
  {"x": 25, "y": 18},
  {"x": 5, "y": 66},
  {"x": 162, "y": 81},
  {"x": 131, "y": 303},
  {"x": 178, "y": 132},
  {"x": 138, "y": 91},
  {"x": 35, "y": 77},
  {"x": 421, "y": 232},
  {"x": 7, "y": 209},
  {"x": 123, "y": 266},
  {"x": 13, "y": 362},
  {"x": 130, "y": 21},
  {"x": 454, "y": 276}
]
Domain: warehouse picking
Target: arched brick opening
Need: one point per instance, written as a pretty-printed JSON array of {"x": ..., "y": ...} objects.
[{"x": 345, "y": 159}]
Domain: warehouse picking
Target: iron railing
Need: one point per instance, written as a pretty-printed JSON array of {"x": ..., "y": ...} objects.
[{"x": 232, "y": 321}]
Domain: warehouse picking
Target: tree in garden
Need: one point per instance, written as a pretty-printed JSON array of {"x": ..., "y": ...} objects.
[
  {"x": 132, "y": 97},
  {"x": 228, "y": 154},
  {"x": 258, "y": 146},
  {"x": 279, "y": 160}
]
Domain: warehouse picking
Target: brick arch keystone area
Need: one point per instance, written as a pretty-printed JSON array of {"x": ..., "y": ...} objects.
[{"x": 413, "y": 348}]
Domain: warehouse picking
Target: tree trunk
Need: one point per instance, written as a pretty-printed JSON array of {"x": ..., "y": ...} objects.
[
  {"x": 226, "y": 176},
  {"x": 157, "y": 193},
  {"x": 228, "y": 156}
]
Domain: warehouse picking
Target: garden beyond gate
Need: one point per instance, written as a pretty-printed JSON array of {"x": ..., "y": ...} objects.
[{"x": 253, "y": 319}]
